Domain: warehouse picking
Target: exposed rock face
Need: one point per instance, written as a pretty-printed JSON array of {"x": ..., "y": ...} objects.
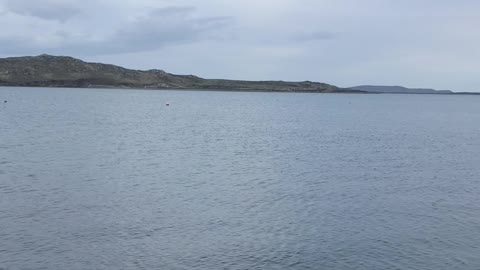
[{"x": 62, "y": 71}]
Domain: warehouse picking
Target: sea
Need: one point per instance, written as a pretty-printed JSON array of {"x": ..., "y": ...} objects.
[{"x": 116, "y": 179}]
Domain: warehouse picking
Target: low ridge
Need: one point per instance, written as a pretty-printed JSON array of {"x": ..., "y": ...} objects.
[{"x": 398, "y": 90}]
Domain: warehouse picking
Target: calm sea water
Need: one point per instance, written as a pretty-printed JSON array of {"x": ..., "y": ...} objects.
[{"x": 114, "y": 179}]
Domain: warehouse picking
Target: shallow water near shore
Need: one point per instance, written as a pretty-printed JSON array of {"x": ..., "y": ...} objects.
[{"x": 114, "y": 179}]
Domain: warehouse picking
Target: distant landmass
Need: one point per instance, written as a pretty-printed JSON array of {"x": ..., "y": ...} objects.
[
  {"x": 63, "y": 71},
  {"x": 399, "y": 90}
]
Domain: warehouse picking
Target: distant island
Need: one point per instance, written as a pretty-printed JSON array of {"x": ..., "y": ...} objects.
[
  {"x": 63, "y": 71},
  {"x": 398, "y": 90},
  {"x": 379, "y": 89}
]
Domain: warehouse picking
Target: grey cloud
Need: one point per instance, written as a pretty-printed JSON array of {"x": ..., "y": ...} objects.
[
  {"x": 291, "y": 37},
  {"x": 159, "y": 28},
  {"x": 313, "y": 36},
  {"x": 18, "y": 46},
  {"x": 172, "y": 10},
  {"x": 59, "y": 10}
]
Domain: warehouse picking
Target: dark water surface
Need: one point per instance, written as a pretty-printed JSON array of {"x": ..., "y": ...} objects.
[{"x": 114, "y": 179}]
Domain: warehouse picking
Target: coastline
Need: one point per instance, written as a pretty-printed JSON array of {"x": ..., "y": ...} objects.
[
  {"x": 341, "y": 91},
  {"x": 240, "y": 90}
]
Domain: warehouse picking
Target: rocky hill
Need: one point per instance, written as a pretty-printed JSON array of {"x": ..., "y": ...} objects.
[{"x": 62, "y": 71}]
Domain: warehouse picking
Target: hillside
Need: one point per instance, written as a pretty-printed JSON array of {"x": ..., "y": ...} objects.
[{"x": 62, "y": 71}]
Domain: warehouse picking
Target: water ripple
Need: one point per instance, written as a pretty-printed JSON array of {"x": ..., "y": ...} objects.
[{"x": 104, "y": 179}]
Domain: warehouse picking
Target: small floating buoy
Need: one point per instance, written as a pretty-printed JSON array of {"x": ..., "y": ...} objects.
[{"x": 167, "y": 104}]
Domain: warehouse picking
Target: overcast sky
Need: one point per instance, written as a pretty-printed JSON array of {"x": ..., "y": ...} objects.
[{"x": 414, "y": 43}]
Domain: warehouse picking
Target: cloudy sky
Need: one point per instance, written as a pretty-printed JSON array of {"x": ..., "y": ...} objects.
[{"x": 415, "y": 43}]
